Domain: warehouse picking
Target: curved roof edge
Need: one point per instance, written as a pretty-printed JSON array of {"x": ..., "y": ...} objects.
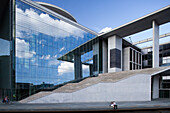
[{"x": 58, "y": 10}]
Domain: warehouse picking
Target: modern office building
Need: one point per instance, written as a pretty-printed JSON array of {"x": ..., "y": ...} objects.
[
  {"x": 33, "y": 36},
  {"x": 43, "y": 48}
]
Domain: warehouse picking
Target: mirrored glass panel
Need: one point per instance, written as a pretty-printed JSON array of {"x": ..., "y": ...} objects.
[{"x": 41, "y": 40}]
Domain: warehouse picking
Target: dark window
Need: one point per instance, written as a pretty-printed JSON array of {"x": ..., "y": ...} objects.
[
  {"x": 130, "y": 54},
  {"x": 130, "y": 65},
  {"x": 95, "y": 63},
  {"x": 133, "y": 56},
  {"x": 115, "y": 58}
]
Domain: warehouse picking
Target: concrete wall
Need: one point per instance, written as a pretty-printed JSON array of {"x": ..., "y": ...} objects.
[
  {"x": 136, "y": 59},
  {"x": 135, "y": 88},
  {"x": 105, "y": 56},
  {"x": 155, "y": 87},
  {"x": 126, "y": 59},
  {"x": 114, "y": 42}
]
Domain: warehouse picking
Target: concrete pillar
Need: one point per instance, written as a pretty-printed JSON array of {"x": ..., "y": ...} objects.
[
  {"x": 155, "y": 87},
  {"x": 114, "y": 54},
  {"x": 126, "y": 59},
  {"x": 105, "y": 57},
  {"x": 155, "y": 52},
  {"x": 77, "y": 66}
]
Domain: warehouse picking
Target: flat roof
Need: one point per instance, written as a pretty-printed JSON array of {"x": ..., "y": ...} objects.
[{"x": 161, "y": 16}]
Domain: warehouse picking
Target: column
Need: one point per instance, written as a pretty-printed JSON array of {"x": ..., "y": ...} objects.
[
  {"x": 155, "y": 51},
  {"x": 105, "y": 57},
  {"x": 155, "y": 87},
  {"x": 114, "y": 54},
  {"x": 77, "y": 66}
]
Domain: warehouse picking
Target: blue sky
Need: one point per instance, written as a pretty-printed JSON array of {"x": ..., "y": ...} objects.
[{"x": 98, "y": 14}]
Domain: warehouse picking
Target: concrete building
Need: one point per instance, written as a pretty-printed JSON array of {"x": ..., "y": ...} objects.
[{"x": 49, "y": 57}]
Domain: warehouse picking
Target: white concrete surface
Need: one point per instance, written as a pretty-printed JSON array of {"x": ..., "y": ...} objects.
[
  {"x": 126, "y": 59},
  {"x": 155, "y": 56},
  {"x": 114, "y": 42},
  {"x": 155, "y": 87},
  {"x": 105, "y": 56},
  {"x": 135, "y": 88}
]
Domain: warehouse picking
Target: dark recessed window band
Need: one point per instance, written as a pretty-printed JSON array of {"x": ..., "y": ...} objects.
[
  {"x": 115, "y": 58},
  {"x": 95, "y": 65}
]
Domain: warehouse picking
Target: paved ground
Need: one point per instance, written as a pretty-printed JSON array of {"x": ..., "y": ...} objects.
[{"x": 102, "y": 106}]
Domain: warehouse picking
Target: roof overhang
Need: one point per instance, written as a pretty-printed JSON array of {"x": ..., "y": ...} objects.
[
  {"x": 161, "y": 16},
  {"x": 87, "y": 47}
]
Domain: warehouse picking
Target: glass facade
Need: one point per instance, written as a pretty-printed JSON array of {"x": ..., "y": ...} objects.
[
  {"x": 164, "y": 56},
  {"x": 40, "y": 40},
  {"x": 6, "y": 50}
]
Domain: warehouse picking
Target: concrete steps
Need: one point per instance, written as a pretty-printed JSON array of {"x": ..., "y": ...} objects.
[
  {"x": 35, "y": 96},
  {"x": 102, "y": 78}
]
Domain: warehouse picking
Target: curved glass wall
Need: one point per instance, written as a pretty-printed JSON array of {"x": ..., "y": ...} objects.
[{"x": 40, "y": 40}]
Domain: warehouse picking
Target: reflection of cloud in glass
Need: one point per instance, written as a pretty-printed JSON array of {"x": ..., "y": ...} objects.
[
  {"x": 47, "y": 25},
  {"x": 42, "y": 41},
  {"x": 4, "y": 47},
  {"x": 22, "y": 46},
  {"x": 67, "y": 67},
  {"x": 54, "y": 62},
  {"x": 47, "y": 57},
  {"x": 62, "y": 49}
]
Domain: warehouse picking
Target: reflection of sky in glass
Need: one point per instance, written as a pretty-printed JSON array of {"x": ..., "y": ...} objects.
[
  {"x": 4, "y": 47},
  {"x": 40, "y": 40}
]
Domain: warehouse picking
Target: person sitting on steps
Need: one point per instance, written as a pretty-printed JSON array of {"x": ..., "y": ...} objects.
[
  {"x": 113, "y": 104},
  {"x": 5, "y": 100}
]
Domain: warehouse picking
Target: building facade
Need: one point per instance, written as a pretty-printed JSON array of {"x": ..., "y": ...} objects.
[
  {"x": 43, "y": 48},
  {"x": 37, "y": 38},
  {"x": 164, "y": 56}
]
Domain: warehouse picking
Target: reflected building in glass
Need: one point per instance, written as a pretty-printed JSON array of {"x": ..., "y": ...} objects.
[
  {"x": 42, "y": 47},
  {"x": 38, "y": 34}
]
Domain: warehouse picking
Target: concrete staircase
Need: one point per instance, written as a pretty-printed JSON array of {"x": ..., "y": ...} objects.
[{"x": 102, "y": 78}]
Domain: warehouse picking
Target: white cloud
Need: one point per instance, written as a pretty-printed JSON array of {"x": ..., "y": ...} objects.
[
  {"x": 18, "y": 34},
  {"x": 45, "y": 24},
  {"x": 4, "y": 47},
  {"x": 47, "y": 57},
  {"x": 55, "y": 56},
  {"x": 62, "y": 49},
  {"x": 67, "y": 67},
  {"x": 42, "y": 41},
  {"x": 85, "y": 68},
  {"x": 53, "y": 62},
  {"x": 106, "y": 29},
  {"x": 42, "y": 57},
  {"x": 23, "y": 47}
]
